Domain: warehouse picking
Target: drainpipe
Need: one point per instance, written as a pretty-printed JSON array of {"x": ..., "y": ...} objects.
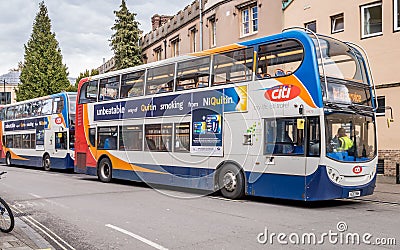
[{"x": 201, "y": 25}]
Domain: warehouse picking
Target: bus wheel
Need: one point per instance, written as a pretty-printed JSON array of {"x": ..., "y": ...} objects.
[
  {"x": 8, "y": 159},
  {"x": 46, "y": 162},
  {"x": 231, "y": 181},
  {"x": 104, "y": 171}
]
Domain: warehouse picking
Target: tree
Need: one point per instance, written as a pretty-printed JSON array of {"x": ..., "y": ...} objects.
[
  {"x": 125, "y": 40},
  {"x": 43, "y": 72}
]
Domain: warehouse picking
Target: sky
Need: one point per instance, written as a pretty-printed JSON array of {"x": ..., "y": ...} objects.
[{"x": 82, "y": 28}]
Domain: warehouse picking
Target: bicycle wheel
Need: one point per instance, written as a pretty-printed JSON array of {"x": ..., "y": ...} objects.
[{"x": 6, "y": 217}]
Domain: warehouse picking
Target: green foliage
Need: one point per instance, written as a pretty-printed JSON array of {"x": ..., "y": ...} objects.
[
  {"x": 43, "y": 72},
  {"x": 82, "y": 75},
  {"x": 125, "y": 40}
]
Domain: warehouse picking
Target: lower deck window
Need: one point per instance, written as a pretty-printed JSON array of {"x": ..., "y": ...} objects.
[
  {"x": 131, "y": 138},
  {"x": 107, "y": 138},
  {"x": 158, "y": 137}
]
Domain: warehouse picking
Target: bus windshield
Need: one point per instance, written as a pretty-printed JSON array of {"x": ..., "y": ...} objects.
[
  {"x": 350, "y": 137},
  {"x": 340, "y": 60}
]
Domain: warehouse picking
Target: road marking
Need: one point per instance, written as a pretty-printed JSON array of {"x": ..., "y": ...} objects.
[
  {"x": 46, "y": 231},
  {"x": 148, "y": 242},
  {"x": 49, "y": 201}
]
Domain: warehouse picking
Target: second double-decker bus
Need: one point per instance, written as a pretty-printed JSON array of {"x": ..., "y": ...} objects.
[
  {"x": 287, "y": 116},
  {"x": 39, "y": 132}
]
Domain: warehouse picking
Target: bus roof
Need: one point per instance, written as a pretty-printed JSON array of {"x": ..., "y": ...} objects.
[
  {"x": 293, "y": 33},
  {"x": 41, "y": 98}
]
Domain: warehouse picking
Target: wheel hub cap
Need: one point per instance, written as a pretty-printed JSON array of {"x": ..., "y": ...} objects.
[{"x": 230, "y": 181}]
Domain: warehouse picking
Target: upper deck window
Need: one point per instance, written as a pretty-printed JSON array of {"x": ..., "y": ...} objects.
[
  {"x": 233, "y": 66},
  {"x": 193, "y": 73},
  {"x": 160, "y": 79},
  {"x": 109, "y": 88},
  {"x": 279, "y": 59},
  {"x": 132, "y": 84}
]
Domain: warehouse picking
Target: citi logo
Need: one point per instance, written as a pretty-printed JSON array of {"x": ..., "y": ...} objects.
[
  {"x": 58, "y": 120},
  {"x": 282, "y": 93},
  {"x": 357, "y": 169}
]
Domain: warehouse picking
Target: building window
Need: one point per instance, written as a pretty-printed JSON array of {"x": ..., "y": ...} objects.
[
  {"x": 381, "y": 106},
  {"x": 5, "y": 98},
  {"x": 337, "y": 23},
  {"x": 213, "y": 32},
  {"x": 175, "y": 47},
  {"x": 249, "y": 17},
  {"x": 192, "y": 34},
  {"x": 371, "y": 19},
  {"x": 157, "y": 53},
  {"x": 311, "y": 26},
  {"x": 396, "y": 18}
]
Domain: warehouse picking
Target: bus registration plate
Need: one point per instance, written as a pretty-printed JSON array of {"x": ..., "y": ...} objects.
[{"x": 353, "y": 194}]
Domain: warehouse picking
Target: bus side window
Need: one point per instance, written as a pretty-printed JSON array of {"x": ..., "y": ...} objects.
[
  {"x": 233, "y": 66},
  {"x": 283, "y": 137},
  {"x": 132, "y": 84},
  {"x": 107, "y": 138},
  {"x": 61, "y": 140},
  {"x": 58, "y": 105},
  {"x": 193, "y": 74},
  {"x": 279, "y": 59},
  {"x": 314, "y": 140},
  {"x": 92, "y": 136},
  {"x": 109, "y": 88},
  {"x": 160, "y": 79}
]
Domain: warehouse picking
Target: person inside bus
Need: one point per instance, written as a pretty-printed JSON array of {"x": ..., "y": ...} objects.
[{"x": 345, "y": 143}]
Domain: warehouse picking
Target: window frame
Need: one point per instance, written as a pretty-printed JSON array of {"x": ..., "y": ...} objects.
[
  {"x": 193, "y": 39},
  {"x": 381, "y": 111},
  {"x": 122, "y": 144},
  {"x": 292, "y": 143},
  {"x": 251, "y": 21},
  {"x": 176, "y": 128},
  {"x": 333, "y": 23},
  {"x": 103, "y": 85},
  {"x": 175, "y": 42},
  {"x": 212, "y": 22},
  {"x": 396, "y": 15},
  {"x": 362, "y": 21},
  {"x": 309, "y": 23}
]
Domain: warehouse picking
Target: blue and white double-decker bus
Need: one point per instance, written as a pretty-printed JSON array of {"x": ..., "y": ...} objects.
[
  {"x": 39, "y": 132},
  {"x": 287, "y": 116}
]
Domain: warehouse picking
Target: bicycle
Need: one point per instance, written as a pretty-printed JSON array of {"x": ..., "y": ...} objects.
[{"x": 6, "y": 215}]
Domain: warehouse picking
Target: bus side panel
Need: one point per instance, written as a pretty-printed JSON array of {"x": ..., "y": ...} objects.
[{"x": 277, "y": 186}]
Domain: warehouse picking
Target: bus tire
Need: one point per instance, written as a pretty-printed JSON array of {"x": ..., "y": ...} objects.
[
  {"x": 8, "y": 159},
  {"x": 104, "y": 170},
  {"x": 231, "y": 181},
  {"x": 46, "y": 162}
]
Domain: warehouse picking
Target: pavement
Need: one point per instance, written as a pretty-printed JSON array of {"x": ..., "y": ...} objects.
[{"x": 23, "y": 237}]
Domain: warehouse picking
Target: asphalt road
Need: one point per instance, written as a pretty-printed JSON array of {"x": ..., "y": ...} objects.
[{"x": 81, "y": 213}]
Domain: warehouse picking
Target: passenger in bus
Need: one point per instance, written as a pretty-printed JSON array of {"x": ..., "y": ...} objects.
[{"x": 110, "y": 143}]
